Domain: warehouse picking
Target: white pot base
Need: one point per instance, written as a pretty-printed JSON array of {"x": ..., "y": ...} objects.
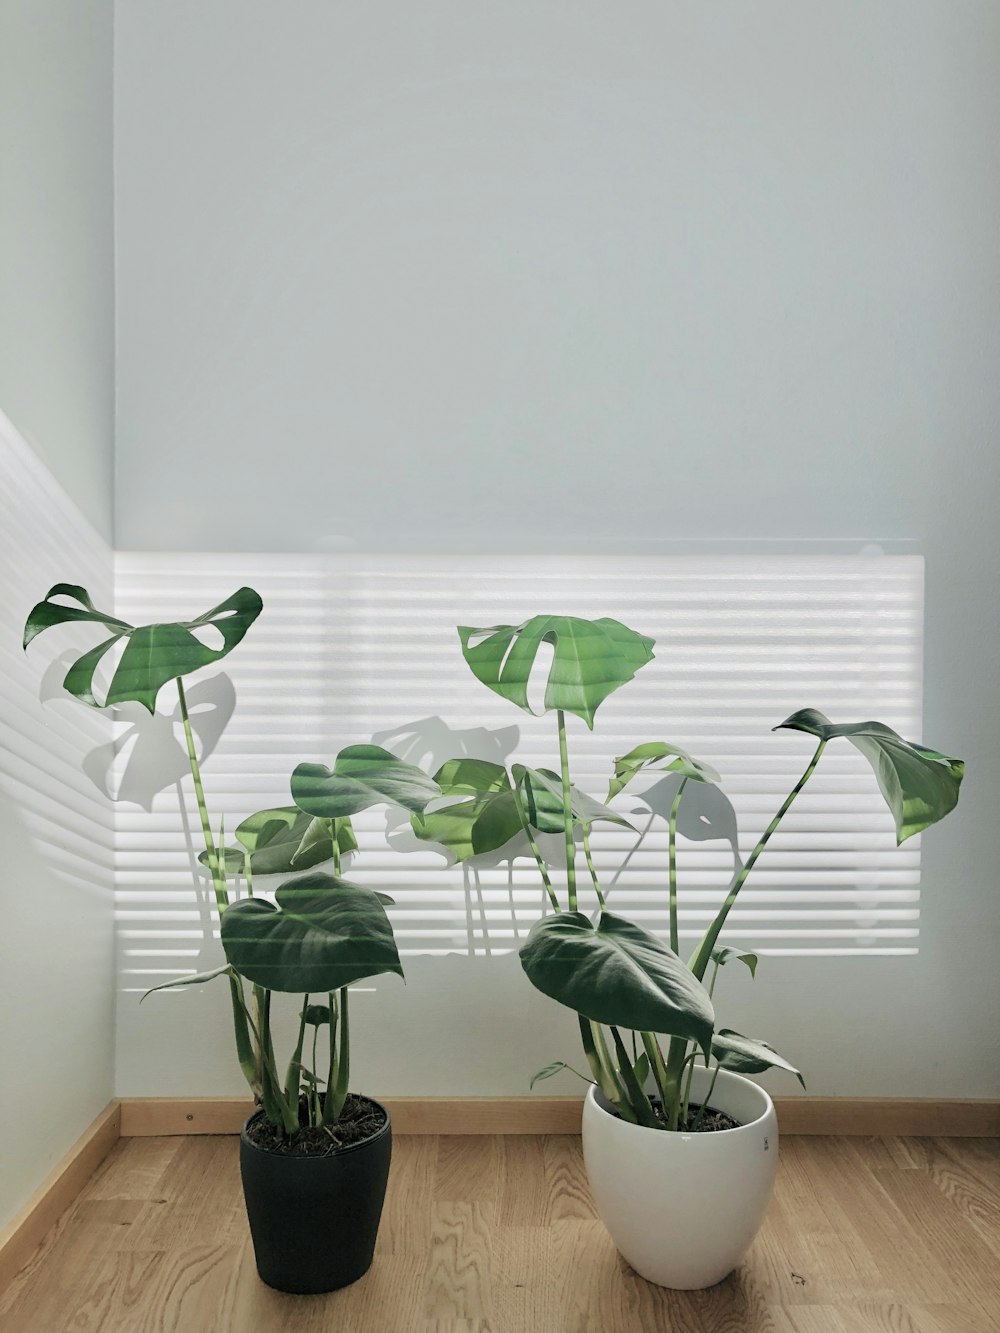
[{"x": 683, "y": 1209}]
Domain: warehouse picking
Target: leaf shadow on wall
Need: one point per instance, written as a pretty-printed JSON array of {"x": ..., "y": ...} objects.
[
  {"x": 705, "y": 814},
  {"x": 431, "y": 742},
  {"x": 149, "y": 755}
]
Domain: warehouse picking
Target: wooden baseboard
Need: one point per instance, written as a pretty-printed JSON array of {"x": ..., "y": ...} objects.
[
  {"x": 28, "y": 1228},
  {"x": 863, "y": 1116}
]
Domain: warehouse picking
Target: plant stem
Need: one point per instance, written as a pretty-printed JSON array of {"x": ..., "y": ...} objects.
[
  {"x": 523, "y": 817},
  {"x": 700, "y": 959},
  {"x": 567, "y": 813},
  {"x": 672, "y": 865},
  {"x": 294, "y": 1076},
  {"x": 214, "y": 860},
  {"x": 652, "y": 1049},
  {"x": 336, "y": 848},
  {"x": 331, "y": 1073},
  {"x": 705, "y": 1100},
  {"x": 637, "y": 1098},
  {"x": 335, "y": 1104},
  {"x": 590, "y": 866}
]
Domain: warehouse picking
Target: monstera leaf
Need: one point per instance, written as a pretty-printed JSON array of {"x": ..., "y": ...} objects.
[
  {"x": 663, "y": 758},
  {"x": 920, "y": 786},
  {"x": 488, "y": 818},
  {"x": 153, "y": 655},
  {"x": 748, "y": 1055},
  {"x": 616, "y": 973},
  {"x": 591, "y": 659},
  {"x": 320, "y": 934},
  {"x": 543, "y": 802},
  {"x": 362, "y": 776},
  {"x": 285, "y": 839}
]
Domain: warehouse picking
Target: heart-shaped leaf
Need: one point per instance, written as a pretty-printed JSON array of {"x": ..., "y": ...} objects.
[
  {"x": 154, "y": 654},
  {"x": 662, "y": 757},
  {"x": 321, "y": 934},
  {"x": 362, "y": 776},
  {"x": 725, "y": 954},
  {"x": 616, "y": 973},
  {"x": 920, "y": 786},
  {"x": 591, "y": 659},
  {"x": 748, "y": 1055}
]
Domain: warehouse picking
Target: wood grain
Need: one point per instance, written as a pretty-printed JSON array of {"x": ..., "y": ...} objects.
[
  {"x": 864, "y": 1116},
  {"x": 57, "y": 1192},
  {"x": 497, "y": 1234}
]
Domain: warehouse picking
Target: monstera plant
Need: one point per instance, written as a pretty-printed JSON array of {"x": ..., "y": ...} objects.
[
  {"x": 626, "y": 983},
  {"x": 321, "y": 934}
]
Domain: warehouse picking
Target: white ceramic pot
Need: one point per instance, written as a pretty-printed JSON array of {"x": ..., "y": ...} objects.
[{"x": 683, "y": 1209}]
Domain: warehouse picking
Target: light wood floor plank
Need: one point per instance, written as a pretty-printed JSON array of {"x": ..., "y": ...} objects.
[{"x": 498, "y": 1235}]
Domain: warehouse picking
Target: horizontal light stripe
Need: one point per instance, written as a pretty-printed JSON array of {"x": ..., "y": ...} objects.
[{"x": 353, "y": 648}]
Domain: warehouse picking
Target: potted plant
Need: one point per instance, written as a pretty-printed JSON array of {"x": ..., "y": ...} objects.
[
  {"x": 314, "y": 1156},
  {"x": 656, "y": 1175}
]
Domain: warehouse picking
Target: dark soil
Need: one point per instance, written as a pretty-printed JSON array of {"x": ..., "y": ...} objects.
[
  {"x": 710, "y": 1121},
  {"x": 360, "y": 1119}
]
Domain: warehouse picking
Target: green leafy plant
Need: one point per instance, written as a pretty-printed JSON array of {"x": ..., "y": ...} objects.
[
  {"x": 321, "y": 933},
  {"x": 622, "y": 981}
]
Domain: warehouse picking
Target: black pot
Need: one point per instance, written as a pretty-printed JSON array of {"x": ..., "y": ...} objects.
[{"x": 314, "y": 1219}]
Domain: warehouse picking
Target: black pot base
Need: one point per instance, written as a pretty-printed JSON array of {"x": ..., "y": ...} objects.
[{"x": 314, "y": 1220}]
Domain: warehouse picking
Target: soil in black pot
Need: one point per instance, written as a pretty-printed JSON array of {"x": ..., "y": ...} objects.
[{"x": 359, "y": 1120}]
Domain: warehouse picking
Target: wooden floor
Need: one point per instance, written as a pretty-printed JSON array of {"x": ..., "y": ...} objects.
[{"x": 497, "y": 1235}]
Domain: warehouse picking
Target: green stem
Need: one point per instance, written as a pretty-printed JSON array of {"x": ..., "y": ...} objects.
[
  {"x": 293, "y": 1078},
  {"x": 214, "y": 860},
  {"x": 672, "y": 865},
  {"x": 652, "y": 1049},
  {"x": 705, "y": 1101},
  {"x": 314, "y": 1107},
  {"x": 700, "y": 959},
  {"x": 638, "y": 1100},
  {"x": 590, "y": 866},
  {"x": 336, "y": 848},
  {"x": 335, "y": 1104},
  {"x": 599, "y": 1060},
  {"x": 567, "y": 800},
  {"x": 331, "y": 1073},
  {"x": 523, "y": 817}
]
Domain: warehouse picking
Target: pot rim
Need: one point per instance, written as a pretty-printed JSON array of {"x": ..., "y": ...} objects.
[
  {"x": 687, "y": 1136},
  {"x": 315, "y": 1157}
]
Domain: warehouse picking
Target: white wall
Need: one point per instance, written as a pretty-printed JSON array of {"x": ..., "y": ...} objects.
[
  {"x": 56, "y": 404},
  {"x": 56, "y": 982},
  {"x": 592, "y": 277},
  {"x": 56, "y": 240}
]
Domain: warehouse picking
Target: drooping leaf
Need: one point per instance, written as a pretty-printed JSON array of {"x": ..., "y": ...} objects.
[
  {"x": 662, "y": 757},
  {"x": 321, "y": 933},
  {"x": 362, "y": 776},
  {"x": 726, "y": 954},
  {"x": 316, "y": 1015},
  {"x": 920, "y": 786},
  {"x": 195, "y": 979},
  {"x": 748, "y": 1055},
  {"x": 543, "y": 801},
  {"x": 154, "y": 654},
  {"x": 591, "y": 659},
  {"x": 283, "y": 839},
  {"x": 555, "y": 1068},
  {"x": 616, "y": 973}
]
